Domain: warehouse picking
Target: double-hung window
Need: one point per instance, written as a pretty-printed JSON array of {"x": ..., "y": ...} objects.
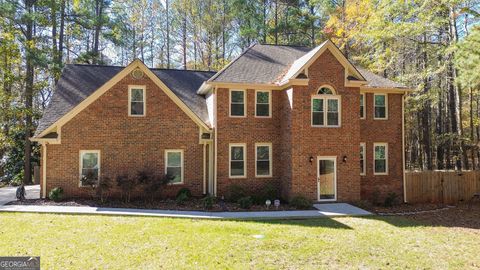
[
  {"x": 136, "y": 101},
  {"x": 237, "y": 103},
  {"x": 262, "y": 103},
  {"x": 326, "y": 109},
  {"x": 362, "y": 106},
  {"x": 237, "y": 160},
  {"x": 174, "y": 165},
  {"x": 380, "y": 106},
  {"x": 362, "y": 159},
  {"x": 380, "y": 158},
  {"x": 263, "y": 160},
  {"x": 89, "y": 167}
]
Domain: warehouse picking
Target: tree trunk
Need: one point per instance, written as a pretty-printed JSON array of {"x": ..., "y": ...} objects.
[
  {"x": 29, "y": 73},
  {"x": 167, "y": 9}
]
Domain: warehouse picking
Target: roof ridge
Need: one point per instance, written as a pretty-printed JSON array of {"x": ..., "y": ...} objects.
[
  {"x": 285, "y": 45},
  {"x": 115, "y": 66}
]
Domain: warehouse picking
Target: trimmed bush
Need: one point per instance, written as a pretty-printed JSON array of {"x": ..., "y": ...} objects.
[
  {"x": 245, "y": 202},
  {"x": 268, "y": 192},
  {"x": 181, "y": 198},
  {"x": 185, "y": 191},
  {"x": 208, "y": 202},
  {"x": 300, "y": 202},
  {"x": 56, "y": 194},
  {"x": 235, "y": 193},
  {"x": 391, "y": 199}
]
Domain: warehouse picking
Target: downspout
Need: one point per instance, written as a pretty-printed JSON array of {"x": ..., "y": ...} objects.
[
  {"x": 204, "y": 169},
  {"x": 44, "y": 170},
  {"x": 403, "y": 149},
  {"x": 216, "y": 135}
]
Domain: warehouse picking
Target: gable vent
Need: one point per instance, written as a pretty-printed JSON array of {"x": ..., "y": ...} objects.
[{"x": 137, "y": 74}]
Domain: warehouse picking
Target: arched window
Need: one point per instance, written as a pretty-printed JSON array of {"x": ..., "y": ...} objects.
[
  {"x": 325, "y": 90},
  {"x": 326, "y": 108}
]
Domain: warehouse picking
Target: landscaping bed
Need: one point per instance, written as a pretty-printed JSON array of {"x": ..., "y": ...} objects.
[
  {"x": 403, "y": 208},
  {"x": 193, "y": 204}
]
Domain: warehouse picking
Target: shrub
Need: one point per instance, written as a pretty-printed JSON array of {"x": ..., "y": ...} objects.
[
  {"x": 391, "y": 199},
  {"x": 235, "y": 193},
  {"x": 103, "y": 188},
  {"x": 56, "y": 194},
  {"x": 245, "y": 202},
  {"x": 127, "y": 185},
  {"x": 17, "y": 180},
  {"x": 185, "y": 191},
  {"x": 208, "y": 202},
  {"x": 181, "y": 198},
  {"x": 268, "y": 192},
  {"x": 300, "y": 202},
  {"x": 376, "y": 197}
]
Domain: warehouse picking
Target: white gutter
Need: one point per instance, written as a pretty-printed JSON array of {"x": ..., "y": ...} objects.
[{"x": 403, "y": 149}]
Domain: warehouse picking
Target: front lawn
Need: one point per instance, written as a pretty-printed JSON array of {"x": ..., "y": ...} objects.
[{"x": 99, "y": 242}]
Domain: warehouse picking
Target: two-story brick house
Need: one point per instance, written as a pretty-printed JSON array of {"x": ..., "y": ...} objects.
[{"x": 303, "y": 120}]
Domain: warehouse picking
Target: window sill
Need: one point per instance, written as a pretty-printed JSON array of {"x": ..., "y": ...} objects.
[
  {"x": 237, "y": 177},
  {"x": 380, "y": 174},
  {"x": 325, "y": 126},
  {"x": 263, "y": 176},
  {"x": 380, "y": 119},
  {"x": 265, "y": 117},
  {"x": 237, "y": 116}
]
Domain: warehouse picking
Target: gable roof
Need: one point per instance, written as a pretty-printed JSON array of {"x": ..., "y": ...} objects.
[
  {"x": 260, "y": 64},
  {"x": 269, "y": 64},
  {"x": 78, "y": 82}
]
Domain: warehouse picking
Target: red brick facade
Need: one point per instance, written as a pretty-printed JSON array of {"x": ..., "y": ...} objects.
[{"x": 129, "y": 144}]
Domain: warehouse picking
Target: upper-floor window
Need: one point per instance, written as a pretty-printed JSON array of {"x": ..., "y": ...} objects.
[
  {"x": 326, "y": 108},
  {"x": 89, "y": 167},
  {"x": 380, "y": 106},
  {"x": 136, "y": 101},
  {"x": 237, "y": 103},
  {"x": 380, "y": 158},
  {"x": 262, "y": 103},
  {"x": 362, "y": 106}
]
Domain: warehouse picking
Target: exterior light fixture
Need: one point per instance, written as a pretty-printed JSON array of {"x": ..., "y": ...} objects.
[
  {"x": 311, "y": 159},
  {"x": 268, "y": 203},
  {"x": 344, "y": 159},
  {"x": 276, "y": 203}
]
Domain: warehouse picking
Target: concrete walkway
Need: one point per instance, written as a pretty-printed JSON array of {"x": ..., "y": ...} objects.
[
  {"x": 7, "y": 194},
  {"x": 325, "y": 210}
]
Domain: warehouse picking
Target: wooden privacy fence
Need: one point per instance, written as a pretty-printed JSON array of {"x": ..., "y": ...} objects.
[{"x": 441, "y": 186}]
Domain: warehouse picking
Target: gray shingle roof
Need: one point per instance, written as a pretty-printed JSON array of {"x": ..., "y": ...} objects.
[
  {"x": 260, "y": 64},
  {"x": 80, "y": 81},
  {"x": 267, "y": 63},
  {"x": 377, "y": 81}
]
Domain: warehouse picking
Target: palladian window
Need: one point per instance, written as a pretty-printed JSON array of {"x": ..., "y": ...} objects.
[{"x": 326, "y": 108}]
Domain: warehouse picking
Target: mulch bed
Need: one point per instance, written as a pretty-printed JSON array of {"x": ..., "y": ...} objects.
[{"x": 190, "y": 205}]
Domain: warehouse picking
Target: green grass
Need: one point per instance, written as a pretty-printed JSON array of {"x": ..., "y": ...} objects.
[{"x": 99, "y": 242}]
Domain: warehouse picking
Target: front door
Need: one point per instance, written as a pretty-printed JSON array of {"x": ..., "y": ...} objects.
[{"x": 327, "y": 178}]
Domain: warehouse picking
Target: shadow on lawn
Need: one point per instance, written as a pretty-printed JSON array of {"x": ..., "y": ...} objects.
[
  {"x": 311, "y": 222},
  {"x": 465, "y": 216}
]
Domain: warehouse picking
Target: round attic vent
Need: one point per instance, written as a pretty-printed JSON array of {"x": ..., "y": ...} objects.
[{"x": 137, "y": 74}]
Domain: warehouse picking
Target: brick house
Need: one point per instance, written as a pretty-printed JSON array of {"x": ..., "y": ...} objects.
[{"x": 305, "y": 121}]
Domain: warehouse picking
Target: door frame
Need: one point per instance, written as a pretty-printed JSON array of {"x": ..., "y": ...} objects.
[{"x": 334, "y": 159}]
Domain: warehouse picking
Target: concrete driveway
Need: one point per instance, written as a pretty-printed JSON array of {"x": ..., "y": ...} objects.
[{"x": 7, "y": 194}]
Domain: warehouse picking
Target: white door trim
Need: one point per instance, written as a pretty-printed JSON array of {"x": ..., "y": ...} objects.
[{"x": 334, "y": 159}]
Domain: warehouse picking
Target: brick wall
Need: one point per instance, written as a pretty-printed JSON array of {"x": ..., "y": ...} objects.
[
  {"x": 127, "y": 144},
  {"x": 311, "y": 141},
  {"x": 386, "y": 131}
]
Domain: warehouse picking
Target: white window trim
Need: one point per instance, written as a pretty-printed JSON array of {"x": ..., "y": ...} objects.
[
  {"x": 364, "y": 105},
  {"x": 80, "y": 165},
  {"x": 181, "y": 162},
  {"x": 386, "y": 106},
  {"x": 244, "y": 103},
  {"x": 269, "y": 103},
  {"x": 334, "y": 159},
  {"x": 143, "y": 87},
  {"x": 325, "y": 110},
  {"x": 364, "y": 163},
  {"x": 269, "y": 160},
  {"x": 244, "y": 145},
  {"x": 386, "y": 158}
]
